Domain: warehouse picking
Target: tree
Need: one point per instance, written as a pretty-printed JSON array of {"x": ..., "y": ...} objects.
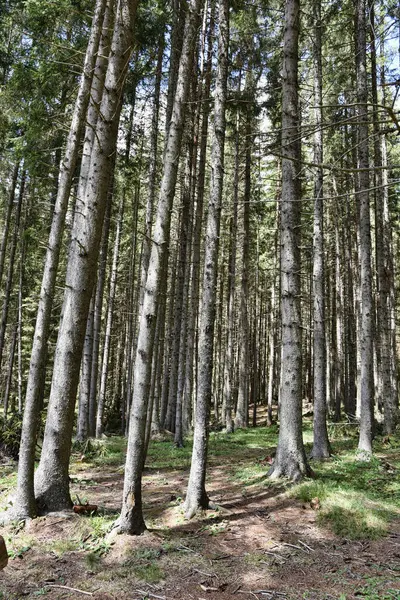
[
  {"x": 290, "y": 460},
  {"x": 25, "y": 502},
  {"x": 321, "y": 443},
  {"x": 51, "y": 480},
  {"x": 131, "y": 518},
  {"x": 196, "y": 496},
  {"x": 362, "y": 190}
]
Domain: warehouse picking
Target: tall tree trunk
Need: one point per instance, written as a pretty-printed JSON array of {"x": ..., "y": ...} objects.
[
  {"x": 25, "y": 501},
  {"x": 7, "y": 219},
  {"x": 131, "y": 518},
  {"x": 196, "y": 496},
  {"x": 191, "y": 363},
  {"x": 109, "y": 323},
  {"x": 290, "y": 460},
  {"x": 367, "y": 314},
  {"x": 321, "y": 443},
  {"x": 241, "y": 417},
  {"x": 11, "y": 267},
  {"x": 97, "y": 314},
  {"x": 228, "y": 383},
  {"x": 52, "y": 481},
  {"x": 387, "y": 388}
]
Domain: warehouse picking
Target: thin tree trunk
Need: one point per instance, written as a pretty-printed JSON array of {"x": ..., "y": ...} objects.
[
  {"x": 11, "y": 267},
  {"x": 109, "y": 323},
  {"x": 98, "y": 309},
  {"x": 196, "y": 496},
  {"x": 320, "y": 447},
  {"x": 367, "y": 315},
  {"x": 82, "y": 428},
  {"x": 242, "y": 410},
  {"x": 230, "y": 349},
  {"x": 131, "y": 519},
  {"x": 10, "y": 371},
  {"x": 7, "y": 219}
]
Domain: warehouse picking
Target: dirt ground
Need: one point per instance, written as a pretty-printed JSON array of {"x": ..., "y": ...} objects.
[{"x": 260, "y": 544}]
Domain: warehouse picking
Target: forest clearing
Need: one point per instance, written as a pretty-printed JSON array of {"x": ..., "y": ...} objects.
[{"x": 332, "y": 537}]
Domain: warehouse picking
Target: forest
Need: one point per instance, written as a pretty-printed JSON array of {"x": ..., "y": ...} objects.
[{"x": 199, "y": 328}]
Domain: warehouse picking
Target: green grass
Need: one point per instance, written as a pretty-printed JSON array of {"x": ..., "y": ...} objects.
[
  {"x": 358, "y": 499},
  {"x": 149, "y": 573}
]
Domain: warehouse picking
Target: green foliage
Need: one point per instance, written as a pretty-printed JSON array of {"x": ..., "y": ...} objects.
[
  {"x": 105, "y": 451},
  {"x": 358, "y": 499},
  {"x": 149, "y": 573}
]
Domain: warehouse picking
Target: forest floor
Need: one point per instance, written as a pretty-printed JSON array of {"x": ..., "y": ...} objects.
[{"x": 336, "y": 536}]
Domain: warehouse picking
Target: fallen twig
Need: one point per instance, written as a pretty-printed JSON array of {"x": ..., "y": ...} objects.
[
  {"x": 53, "y": 523},
  {"x": 66, "y": 587},
  {"x": 152, "y": 595},
  {"x": 294, "y": 546},
  {"x": 306, "y": 546},
  {"x": 204, "y": 573}
]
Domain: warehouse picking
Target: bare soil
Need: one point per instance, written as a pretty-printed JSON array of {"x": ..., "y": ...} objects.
[{"x": 260, "y": 543}]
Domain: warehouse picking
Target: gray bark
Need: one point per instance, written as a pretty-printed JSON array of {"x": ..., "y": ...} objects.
[
  {"x": 7, "y": 220},
  {"x": 290, "y": 460},
  {"x": 109, "y": 323},
  {"x": 131, "y": 519},
  {"x": 367, "y": 313},
  {"x": 11, "y": 266},
  {"x": 386, "y": 381},
  {"x": 191, "y": 350},
  {"x": 98, "y": 309},
  {"x": 196, "y": 496},
  {"x": 242, "y": 410},
  {"x": 25, "y": 502},
  {"x": 321, "y": 443},
  {"x": 52, "y": 481},
  {"x": 82, "y": 427},
  {"x": 229, "y": 373}
]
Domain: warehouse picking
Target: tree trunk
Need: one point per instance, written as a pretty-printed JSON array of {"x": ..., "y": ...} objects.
[
  {"x": 367, "y": 314},
  {"x": 7, "y": 220},
  {"x": 321, "y": 443},
  {"x": 228, "y": 382},
  {"x": 290, "y": 460},
  {"x": 196, "y": 496},
  {"x": 25, "y": 501},
  {"x": 131, "y": 519},
  {"x": 109, "y": 323},
  {"x": 52, "y": 481},
  {"x": 11, "y": 267}
]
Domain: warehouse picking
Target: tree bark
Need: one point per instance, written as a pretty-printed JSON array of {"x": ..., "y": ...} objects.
[
  {"x": 109, "y": 323},
  {"x": 367, "y": 313},
  {"x": 25, "y": 501},
  {"x": 131, "y": 519},
  {"x": 52, "y": 481},
  {"x": 196, "y": 496},
  {"x": 290, "y": 460},
  {"x": 320, "y": 447},
  {"x": 321, "y": 443}
]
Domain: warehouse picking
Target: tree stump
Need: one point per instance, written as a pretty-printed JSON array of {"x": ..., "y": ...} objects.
[{"x": 3, "y": 553}]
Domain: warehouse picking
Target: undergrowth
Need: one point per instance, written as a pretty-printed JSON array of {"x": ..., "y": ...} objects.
[{"x": 358, "y": 499}]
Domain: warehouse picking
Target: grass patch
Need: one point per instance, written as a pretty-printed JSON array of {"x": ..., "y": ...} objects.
[
  {"x": 358, "y": 499},
  {"x": 108, "y": 451},
  {"x": 149, "y": 573}
]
